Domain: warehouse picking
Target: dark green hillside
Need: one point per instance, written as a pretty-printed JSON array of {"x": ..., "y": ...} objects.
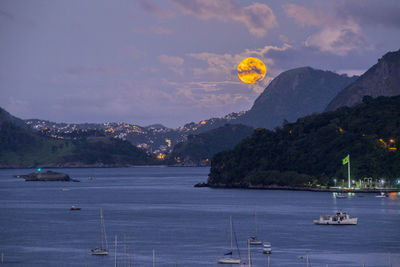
[
  {"x": 310, "y": 151},
  {"x": 200, "y": 148},
  {"x": 22, "y": 147}
]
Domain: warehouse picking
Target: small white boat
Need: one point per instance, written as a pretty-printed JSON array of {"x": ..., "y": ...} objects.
[
  {"x": 229, "y": 261},
  {"x": 340, "y": 195},
  {"x": 340, "y": 218},
  {"x": 383, "y": 194},
  {"x": 267, "y": 249}
]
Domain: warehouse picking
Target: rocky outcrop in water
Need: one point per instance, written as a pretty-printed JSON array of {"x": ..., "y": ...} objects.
[{"x": 46, "y": 177}]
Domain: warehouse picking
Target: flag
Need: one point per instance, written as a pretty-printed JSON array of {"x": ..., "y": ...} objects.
[{"x": 345, "y": 160}]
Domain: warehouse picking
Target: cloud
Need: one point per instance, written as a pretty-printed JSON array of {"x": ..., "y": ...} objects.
[
  {"x": 224, "y": 66},
  {"x": 338, "y": 39},
  {"x": 370, "y": 13},
  {"x": 173, "y": 63},
  {"x": 336, "y": 35},
  {"x": 130, "y": 51},
  {"x": 223, "y": 95},
  {"x": 258, "y": 18},
  {"x": 302, "y": 15},
  {"x": 352, "y": 72},
  {"x": 87, "y": 69},
  {"x": 155, "y": 10},
  {"x": 160, "y": 30}
]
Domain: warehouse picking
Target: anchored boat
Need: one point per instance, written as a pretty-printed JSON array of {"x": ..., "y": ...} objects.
[
  {"x": 103, "y": 249},
  {"x": 267, "y": 249},
  {"x": 340, "y": 218}
]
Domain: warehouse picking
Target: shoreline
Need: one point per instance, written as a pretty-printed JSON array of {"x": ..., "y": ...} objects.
[{"x": 295, "y": 188}]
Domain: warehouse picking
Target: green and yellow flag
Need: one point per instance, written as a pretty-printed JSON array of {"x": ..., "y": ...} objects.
[{"x": 345, "y": 160}]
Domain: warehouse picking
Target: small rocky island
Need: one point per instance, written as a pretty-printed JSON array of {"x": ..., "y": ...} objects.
[{"x": 46, "y": 176}]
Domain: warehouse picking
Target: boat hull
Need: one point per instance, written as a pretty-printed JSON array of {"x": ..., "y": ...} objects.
[
  {"x": 99, "y": 252},
  {"x": 352, "y": 221},
  {"x": 229, "y": 261},
  {"x": 255, "y": 242}
]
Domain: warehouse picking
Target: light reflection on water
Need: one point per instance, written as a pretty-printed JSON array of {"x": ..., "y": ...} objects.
[{"x": 158, "y": 208}]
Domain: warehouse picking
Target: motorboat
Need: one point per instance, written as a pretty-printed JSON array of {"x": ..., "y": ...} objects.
[
  {"x": 340, "y": 218},
  {"x": 75, "y": 208},
  {"x": 267, "y": 249},
  {"x": 382, "y": 194}
]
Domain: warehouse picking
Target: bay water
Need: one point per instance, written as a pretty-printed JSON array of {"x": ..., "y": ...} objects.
[{"x": 157, "y": 208}]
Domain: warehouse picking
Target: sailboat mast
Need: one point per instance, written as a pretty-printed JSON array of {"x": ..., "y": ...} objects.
[
  {"x": 255, "y": 222},
  {"x": 231, "y": 231},
  {"x": 154, "y": 258},
  {"x": 101, "y": 228},
  {"x": 248, "y": 251},
  {"x": 115, "y": 252}
]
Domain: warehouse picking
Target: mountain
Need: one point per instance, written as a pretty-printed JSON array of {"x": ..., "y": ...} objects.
[
  {"x": 7, "y": 117},
  {"x": 293, "y": 94},
  {"x": 198, "y": 149},
  {"x": 22, "y": 147},
  {"x": 309, "y": 152},
  {"x": 382, "y": 79}
]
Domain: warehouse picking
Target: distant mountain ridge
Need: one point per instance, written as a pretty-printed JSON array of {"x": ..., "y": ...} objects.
[
  {"x": 382, "y": 79},
  {"x": 293, "y": 94}
]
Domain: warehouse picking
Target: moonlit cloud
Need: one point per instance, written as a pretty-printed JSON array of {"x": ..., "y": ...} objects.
[
  {"x": 336, "y": 35},
  {"x": 173, "y": 63},
  {"x": 302, "y": 15},
  {"x": 225, "y": 65},
  {"x": 257, "y": 17},
  {"x": 338, "y": 39}
]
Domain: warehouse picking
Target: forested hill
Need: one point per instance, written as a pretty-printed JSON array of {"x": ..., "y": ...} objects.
[
  {"x": 199, "y": 149},
  {"x": 310, "y": 151},
  {"x": 21, "y": 147}
]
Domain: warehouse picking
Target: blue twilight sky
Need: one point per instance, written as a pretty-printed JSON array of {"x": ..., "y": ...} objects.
[{"x": 174, "y": 61}]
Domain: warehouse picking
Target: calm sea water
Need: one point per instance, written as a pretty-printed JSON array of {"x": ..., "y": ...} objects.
[{"x": 158, "y": 208}]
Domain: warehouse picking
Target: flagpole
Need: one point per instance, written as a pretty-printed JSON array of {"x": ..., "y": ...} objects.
[{"x": 348, "y": 171}]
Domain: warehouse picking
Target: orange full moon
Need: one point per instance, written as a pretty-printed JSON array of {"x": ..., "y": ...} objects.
[{"x": 251, "y": 70}]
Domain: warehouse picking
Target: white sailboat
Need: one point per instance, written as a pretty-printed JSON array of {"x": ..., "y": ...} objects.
[
  {"x": 230, "y": 259},
  {"x": 103, "y": 249},
  {"x": 253, "y": 240}
]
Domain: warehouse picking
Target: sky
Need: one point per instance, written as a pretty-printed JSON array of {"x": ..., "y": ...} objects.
[{"x": 174, "y": 61}]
